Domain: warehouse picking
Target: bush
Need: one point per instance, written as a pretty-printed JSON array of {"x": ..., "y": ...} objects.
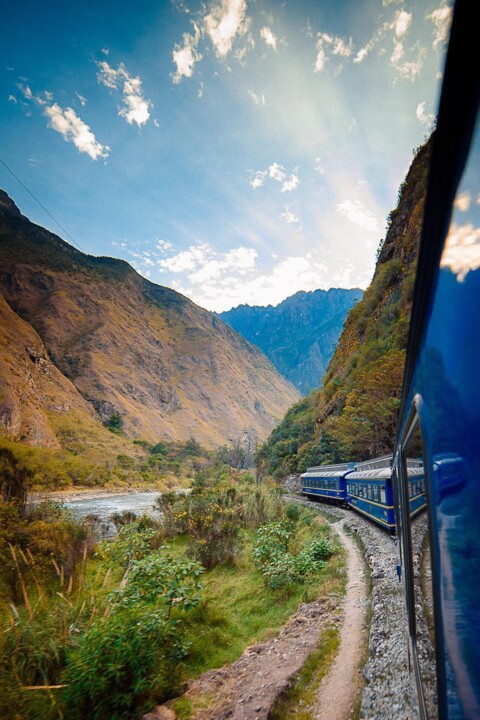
[
  {"x": 132, "y": 655},
  {"x": 278, "y": 566}
]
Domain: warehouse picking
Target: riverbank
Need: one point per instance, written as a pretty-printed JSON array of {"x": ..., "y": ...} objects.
[{"x": 72, "y": 494}]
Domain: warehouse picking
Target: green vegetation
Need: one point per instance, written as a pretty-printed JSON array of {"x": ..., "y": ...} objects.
[
  {"x": 106, "y": 631},
  {"x": 163, "y": 465},
  {"x": 353, "y": 415},
  {"x": 296, "y": 701}
]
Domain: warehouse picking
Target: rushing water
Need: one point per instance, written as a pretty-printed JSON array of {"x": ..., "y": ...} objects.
[{"x": 141, "y": 503}]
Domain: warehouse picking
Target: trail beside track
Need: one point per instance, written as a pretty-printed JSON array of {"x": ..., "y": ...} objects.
[
  {"x": 249, "y": 688},
  {"x": 335, "y": 697},
  {"x": 388, "y": 693}
]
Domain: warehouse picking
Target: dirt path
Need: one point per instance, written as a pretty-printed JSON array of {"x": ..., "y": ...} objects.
[
  {"x": 248, "y": 688},
  {"x": 336, "y": 698}
]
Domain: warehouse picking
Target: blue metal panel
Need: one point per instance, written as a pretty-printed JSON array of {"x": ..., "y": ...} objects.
[{"x": 447, "y": 379}]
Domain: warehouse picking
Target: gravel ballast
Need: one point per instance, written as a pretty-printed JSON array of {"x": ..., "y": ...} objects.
[{"x": 389, "y": 692}]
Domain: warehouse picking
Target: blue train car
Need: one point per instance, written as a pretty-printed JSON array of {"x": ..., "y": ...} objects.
[
  {"x": 416, "y": 490},
  {"x": 369, "y": 492},
  {"x": 326, "y": 482},
  {"x": 440, "y": 407}
]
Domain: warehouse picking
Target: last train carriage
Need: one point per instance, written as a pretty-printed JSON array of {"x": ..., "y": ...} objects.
[
  {"x": 440, "y": 407},
  {"x": 366, "y": 487}
]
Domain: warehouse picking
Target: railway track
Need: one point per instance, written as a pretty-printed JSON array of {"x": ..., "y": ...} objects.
[{"x": 388, "y": 693}]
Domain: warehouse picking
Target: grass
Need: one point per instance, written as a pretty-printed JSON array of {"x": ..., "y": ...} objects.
[
  {"x": 239, "y": 611},
  {"x": 296, "y": 701}
]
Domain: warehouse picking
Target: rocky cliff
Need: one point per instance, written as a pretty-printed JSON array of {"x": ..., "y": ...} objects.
[
  {"x": 300, "y": 334},
  {"x": 88, "y": 343}
]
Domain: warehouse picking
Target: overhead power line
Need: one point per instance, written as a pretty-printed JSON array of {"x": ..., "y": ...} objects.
[{"x": 41, "y": 205}]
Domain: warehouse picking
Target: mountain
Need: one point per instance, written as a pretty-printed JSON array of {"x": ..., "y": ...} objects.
[
  {"x": 88, "y": 344},
  {"x": 300, "y": 334},
  {"x": 353, "y": 415}
]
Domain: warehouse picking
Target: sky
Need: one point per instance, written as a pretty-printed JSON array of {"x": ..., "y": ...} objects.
[{"x": 237, "y": 151}]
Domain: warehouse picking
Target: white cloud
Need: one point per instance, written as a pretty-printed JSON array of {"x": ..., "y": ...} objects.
[
  {"x": 73, "y": 129},
  {"x": 257, "y": 99},
  {"x": 331, "y": 44},
  {"x": 185, "y": 57},
  {"x": 358, "y": 214},
  {"x": 320, "y": 60},
  {"x": 290, "y": 217},
  {"x": 341, "y": 48},
  {"x": 462, "y": 250},
  {"x": 163, "y": 245},
  {"x": 402, "y": 22},
  {"x": 285, "y": 278},
  {"x": 408, "y": 69},
  {"x": 136, "y": 109},
  {"x": 424, "y": 117},
  {"x": 267, "y": 35},
  {"x": 105, "y": 51},
  {"x": 442, "y": 19},
  {"x": 257, "y": 179},
  {"x": 83, "y": 101},
  {"x": 225, "y": 21},
  {"x": 202, "y": 264},
  {"x": 318, "y": 166},
  {"x": 26, "y": 92},
  {"x": 12, "y": 98},
  {"x": 200, "y": 91},
  {"x": 186, "y": 260},
  {"x": 277, "y": 172},
  {"x": 463, "y": 201},
  {"x": 291, "y": 184}
]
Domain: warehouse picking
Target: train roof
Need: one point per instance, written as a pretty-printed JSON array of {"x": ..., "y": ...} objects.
[
  {"x": 335, "y": 471},
  {"x": 385, "y": 461},
  {"x": 382, "y": 473},
  {"x": 339, "y": 467},
  {"x": 378, "y": 473}
]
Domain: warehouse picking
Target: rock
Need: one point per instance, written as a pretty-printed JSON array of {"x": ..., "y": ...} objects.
[{"x": 161, "y": 712}]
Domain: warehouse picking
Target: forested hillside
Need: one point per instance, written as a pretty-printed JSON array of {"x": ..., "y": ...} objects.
[
  {"x": 300, "y": 334},
  {"x": 353, "y": 415}
]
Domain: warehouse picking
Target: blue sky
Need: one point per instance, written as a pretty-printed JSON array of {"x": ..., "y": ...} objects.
[{"x": 235, "y": 150}]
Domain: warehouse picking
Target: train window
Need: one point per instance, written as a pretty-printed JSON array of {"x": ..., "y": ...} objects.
[
  {"x": 421, "y": 583},
  {"x": 383, "y": 497}
]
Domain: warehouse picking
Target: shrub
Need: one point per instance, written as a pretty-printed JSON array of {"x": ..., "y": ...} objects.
[
  {"x": 132, "y": 654},
  {"x": 278, "y": 566}
]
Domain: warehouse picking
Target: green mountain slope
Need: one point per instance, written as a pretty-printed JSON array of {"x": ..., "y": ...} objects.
[
  {"x": 300, "y": 334},
  {"x": 353, "y": 415}
]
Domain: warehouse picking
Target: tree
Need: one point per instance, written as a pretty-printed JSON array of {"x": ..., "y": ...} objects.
[{"x": 14, "y": 476}]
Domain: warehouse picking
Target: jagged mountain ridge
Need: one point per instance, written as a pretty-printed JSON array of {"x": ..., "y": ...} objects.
[
  {"x": 300, "y": 334},
  {"x": 119, "y": 346},
  {"x": 353, "y": 415}
]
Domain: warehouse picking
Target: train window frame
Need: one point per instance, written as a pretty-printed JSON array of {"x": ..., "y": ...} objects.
[{"x": 404, "y": 532}]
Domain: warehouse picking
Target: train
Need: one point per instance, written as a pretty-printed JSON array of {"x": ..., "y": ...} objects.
[
  {"x": 435, "y": 463},
  {"x": 366, "y": 487},
  {"x": 439, "y": 418}
]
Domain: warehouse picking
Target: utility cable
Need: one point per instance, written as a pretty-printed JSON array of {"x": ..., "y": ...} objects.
[{"x": 42, "y": 206}]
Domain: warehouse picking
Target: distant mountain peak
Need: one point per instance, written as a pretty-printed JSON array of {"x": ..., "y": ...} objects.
[{"x": 299, "y": 334}]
